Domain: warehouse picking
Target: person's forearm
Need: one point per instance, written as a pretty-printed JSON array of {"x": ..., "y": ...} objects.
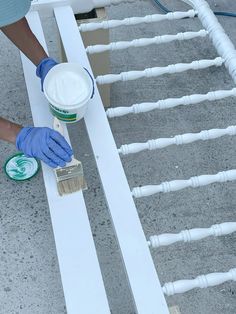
[
  {"x": 21, "y": 35},
  {"x": 9, "y": 130}
]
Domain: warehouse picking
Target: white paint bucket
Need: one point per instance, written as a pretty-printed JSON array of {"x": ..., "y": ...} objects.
[{"x": 68, "y": 87}]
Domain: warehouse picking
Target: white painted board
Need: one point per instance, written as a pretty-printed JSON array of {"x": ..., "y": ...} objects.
[
  {"x": 143, "y": 279},
  {"x": 80, "y": 272}
]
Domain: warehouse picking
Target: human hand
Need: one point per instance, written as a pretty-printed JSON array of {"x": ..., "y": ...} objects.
[
  {"x": 43, "y": 68},
  {"x": 45, "y": 144}
]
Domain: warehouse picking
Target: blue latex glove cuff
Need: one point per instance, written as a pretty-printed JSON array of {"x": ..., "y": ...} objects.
[
  {"x": 21, "y": 136},
  {"x": 43, "y": 68}
]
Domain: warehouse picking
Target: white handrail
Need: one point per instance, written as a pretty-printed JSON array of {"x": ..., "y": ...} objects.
[
  {"x": 79, "y": 267},
  {"x": 79, "y": 6},
  {"x": 105, "y": 3},
  {"x": 141, "y": 272},
  {"x": 220, "y": 39}
]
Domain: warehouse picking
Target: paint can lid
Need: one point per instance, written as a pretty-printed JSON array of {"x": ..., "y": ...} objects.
[{"x": 20, "y": 168}]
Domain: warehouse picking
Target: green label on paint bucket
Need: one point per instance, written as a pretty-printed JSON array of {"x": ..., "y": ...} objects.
[{"x": 63, "y": 115}]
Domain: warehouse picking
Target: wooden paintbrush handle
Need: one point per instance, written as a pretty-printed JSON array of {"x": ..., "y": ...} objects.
[{"x": 57, "y": 126}]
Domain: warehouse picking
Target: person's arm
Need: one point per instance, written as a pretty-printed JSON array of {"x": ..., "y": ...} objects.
[
  {"x": 39, "y": 142},
  {"x": 22, "y": 37},
  {"x": 42, "y": 143},
  {"x": 9, "y": 130}
]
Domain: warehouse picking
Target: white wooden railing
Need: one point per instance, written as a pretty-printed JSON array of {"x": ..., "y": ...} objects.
[
  {"x": 146, "y": 289},
  {"x": 141, "y": 273},
  {"x": 79, "y": 267},
  {"x": 47, "y": 6}
]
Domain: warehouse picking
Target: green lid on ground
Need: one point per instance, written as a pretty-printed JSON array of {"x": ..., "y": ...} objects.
[{"x": 20, "y": 168}]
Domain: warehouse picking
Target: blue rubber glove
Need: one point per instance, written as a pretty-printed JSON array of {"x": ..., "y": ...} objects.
[
  {"x": 45, "y": 144},
  {"x": 43, "y": 68}
]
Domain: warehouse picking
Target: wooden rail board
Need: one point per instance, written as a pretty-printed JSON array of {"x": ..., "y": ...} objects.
[
  {"x": 80, "y": 272},
  {"x": 145, "y": 286}
]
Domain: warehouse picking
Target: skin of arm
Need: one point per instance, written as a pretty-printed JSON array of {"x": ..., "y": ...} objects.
[
  {"x": 22, "y": 37},
  {"x": 9, "y": 130},
  {"x": 42, "y": 143}
]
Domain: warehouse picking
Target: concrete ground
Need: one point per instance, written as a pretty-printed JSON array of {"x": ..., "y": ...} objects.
[{"x": 29, "y": 274}]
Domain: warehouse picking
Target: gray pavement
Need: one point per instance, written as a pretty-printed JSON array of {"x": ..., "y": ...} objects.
[{"x": 29, "y": 273}]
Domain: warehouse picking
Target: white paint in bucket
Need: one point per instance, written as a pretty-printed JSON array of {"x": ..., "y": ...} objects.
[{"x": 68, "y": 88}]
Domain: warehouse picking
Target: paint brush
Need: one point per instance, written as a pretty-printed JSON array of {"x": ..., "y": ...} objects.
[{"x": 70, "y": 178}]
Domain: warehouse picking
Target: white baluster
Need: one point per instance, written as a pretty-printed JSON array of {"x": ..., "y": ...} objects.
[
  {"x": 203, "y": 281},
  {"x": 190, "y": 235},
  {"x": 176, "y": 140},
  {"x": 157, "y": 71},
  {"x": 136, "y": 20},
  {"x": 142, "y": 42},
  {"x": 170, "y": 103},
  {"x": 176, "y": 185}
]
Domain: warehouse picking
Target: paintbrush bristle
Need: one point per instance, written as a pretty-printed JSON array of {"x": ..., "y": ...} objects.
[
  {"x": 70, "y": 179},
  {"x": 71, "y": 185}
]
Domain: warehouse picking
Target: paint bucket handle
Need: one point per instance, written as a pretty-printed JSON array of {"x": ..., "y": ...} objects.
[{"x": 92, "y": 82}]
